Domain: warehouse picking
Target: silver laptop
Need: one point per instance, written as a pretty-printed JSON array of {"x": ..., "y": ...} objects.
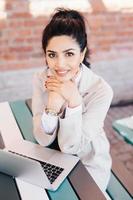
[{"x": 35, "y": 164}]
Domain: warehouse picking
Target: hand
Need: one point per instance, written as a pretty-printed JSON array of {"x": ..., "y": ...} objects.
[
  {"x": 68, "y": 90},
  {"x": 55, "y": 101}
]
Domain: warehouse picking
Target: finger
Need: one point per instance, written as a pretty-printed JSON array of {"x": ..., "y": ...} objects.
[
  {"x": 52, "y": 81},
  {"x": 46, "y": 83},
  {"x": 53, "y": 89},
  {"x": 51, "y": 77},
  {"x": 52, "y": 84}
]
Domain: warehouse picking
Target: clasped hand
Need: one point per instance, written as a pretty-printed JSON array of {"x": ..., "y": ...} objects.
[{"x": 61, "y": 92}]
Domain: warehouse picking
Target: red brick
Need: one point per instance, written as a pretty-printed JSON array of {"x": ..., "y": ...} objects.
[
  {"x": 25, "y": 32},
  {"x": 8, "y": 57},
  {"x": 20, "y": 15},
  {"x": 34, "y": 40},
  {"x": 30, "y": 23},
  {"x": 19, "y": 40},
  {"x": 3, "y": 42},
  {"x": 15, "y": 23},
  {"x": 3, "y": 24},
  {"x": 21, "y": 49}
]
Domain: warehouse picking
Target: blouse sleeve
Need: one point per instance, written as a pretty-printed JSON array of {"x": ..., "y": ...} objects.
[
  {"x": 38, "y": 104},
  {"x": 49, "y": 123}
]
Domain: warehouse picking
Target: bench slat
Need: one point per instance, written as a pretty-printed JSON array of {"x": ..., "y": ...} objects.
[
  {"x": 24, "y": 119},
  {"x": 121, "y": 179},
  {"x": 116, "y": 190},
  {"x": 83, "y": 184}
]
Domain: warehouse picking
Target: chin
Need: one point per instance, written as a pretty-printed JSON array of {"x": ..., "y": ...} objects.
[
  {"x": 62, "y": 79},
  {"x": 65, "y": 78}
]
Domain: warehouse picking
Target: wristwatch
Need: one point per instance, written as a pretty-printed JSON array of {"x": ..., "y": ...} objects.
[{"x": 51, "y": 112}]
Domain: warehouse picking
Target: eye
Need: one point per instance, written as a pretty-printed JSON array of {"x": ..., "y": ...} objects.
[
  {"x": 51, "y": 55},
  {"x": 69, "y": 54}
]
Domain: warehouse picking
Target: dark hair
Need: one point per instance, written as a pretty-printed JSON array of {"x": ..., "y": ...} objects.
[{"x": 67, "y": 22}]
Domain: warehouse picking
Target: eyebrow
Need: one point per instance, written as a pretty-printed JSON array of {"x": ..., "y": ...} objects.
[{"x": 63, "y": 51}]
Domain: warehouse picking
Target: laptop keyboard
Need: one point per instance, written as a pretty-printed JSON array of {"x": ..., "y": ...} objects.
[{"x": 51, "y": 171}]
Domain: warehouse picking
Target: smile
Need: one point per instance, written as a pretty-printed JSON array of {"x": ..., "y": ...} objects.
[{"x": 62, "y": 72}]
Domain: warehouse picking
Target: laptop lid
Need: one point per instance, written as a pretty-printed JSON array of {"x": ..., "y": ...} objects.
[{"x": 33, "y": 171}]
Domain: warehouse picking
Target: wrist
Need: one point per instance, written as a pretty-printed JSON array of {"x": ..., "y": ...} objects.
[
  {"x": 74, "y": 102},
  {"x": 53, "y": 107},
  {"x": 51, "y": 111}
]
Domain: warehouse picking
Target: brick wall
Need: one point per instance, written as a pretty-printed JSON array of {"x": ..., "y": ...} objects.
[
  {"x": 20, "y": 37},
  {"x": 110, "y": 38},
  {"x": 110, "y": 35}
]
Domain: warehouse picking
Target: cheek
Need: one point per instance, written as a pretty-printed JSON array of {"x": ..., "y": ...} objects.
[
  {"x": 74, "y": 70},
  {"x": 75, "y": 64},
  {"x": 50, "y": 63}
]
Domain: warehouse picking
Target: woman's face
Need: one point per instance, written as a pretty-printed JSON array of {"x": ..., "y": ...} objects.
[{"x": 63, "y": 57}]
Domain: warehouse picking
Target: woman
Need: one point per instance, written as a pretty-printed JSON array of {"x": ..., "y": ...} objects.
[{"x": 70, "y": 102}]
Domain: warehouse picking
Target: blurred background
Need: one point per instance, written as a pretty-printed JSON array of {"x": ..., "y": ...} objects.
[{"x": 110, "y": 39}]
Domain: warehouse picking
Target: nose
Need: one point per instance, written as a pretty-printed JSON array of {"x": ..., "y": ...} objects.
[{"x": 60, "y": 62}]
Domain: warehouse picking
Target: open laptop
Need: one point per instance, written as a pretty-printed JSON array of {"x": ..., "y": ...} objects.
[{"x": 35, "y": 164}]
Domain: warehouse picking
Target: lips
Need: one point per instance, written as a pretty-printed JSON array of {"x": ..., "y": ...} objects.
[{"x": 61, "y": 72}]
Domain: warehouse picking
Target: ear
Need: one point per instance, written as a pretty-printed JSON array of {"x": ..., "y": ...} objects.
[{"x": 83, "y": 55}]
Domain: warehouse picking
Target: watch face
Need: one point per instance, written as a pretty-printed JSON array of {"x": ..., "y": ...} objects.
[
  {"x": 51, "y": 112},
  {"x": 2, "y": 145}
]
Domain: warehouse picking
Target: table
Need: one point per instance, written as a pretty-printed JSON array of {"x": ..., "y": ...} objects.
[{"x": 16, "y": 123}]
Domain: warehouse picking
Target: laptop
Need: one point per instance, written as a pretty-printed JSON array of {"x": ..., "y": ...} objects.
[{"x": 32, "y": 163}]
